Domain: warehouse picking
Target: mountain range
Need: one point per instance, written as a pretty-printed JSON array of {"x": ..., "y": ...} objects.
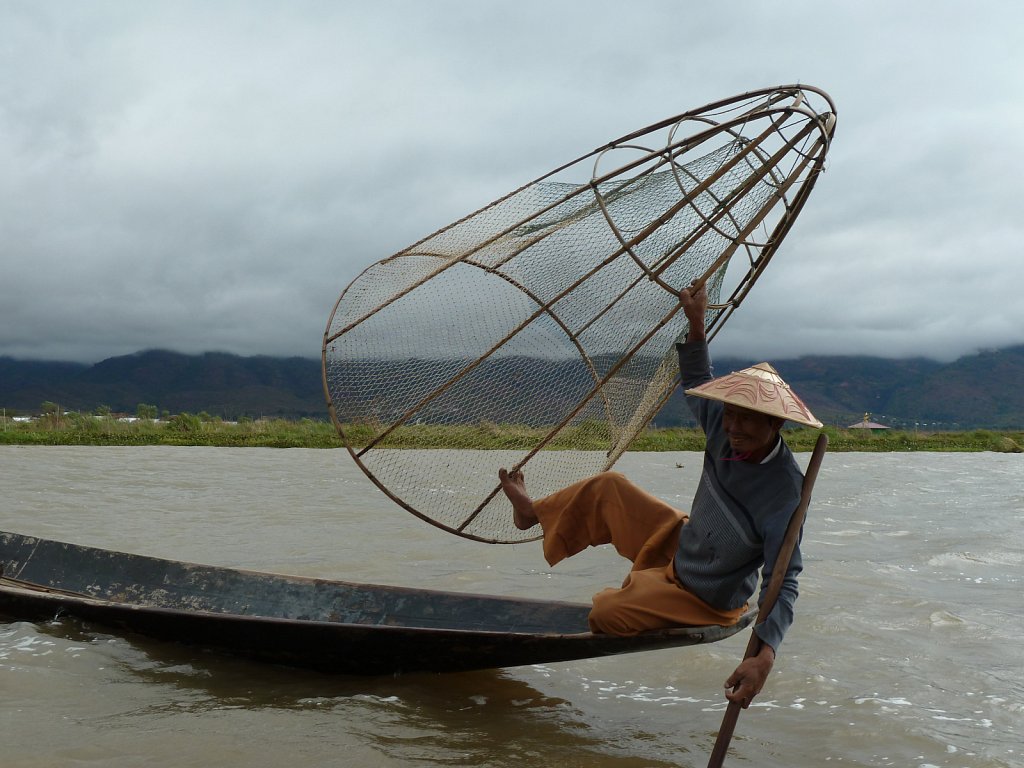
[{"x": 976, "y": 391}]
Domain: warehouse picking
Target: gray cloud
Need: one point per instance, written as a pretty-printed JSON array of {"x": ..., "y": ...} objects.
[{"x": 200, "y": 176}]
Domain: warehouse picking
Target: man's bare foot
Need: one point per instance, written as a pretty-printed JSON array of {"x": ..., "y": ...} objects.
[{"x": 514, "y": 486}]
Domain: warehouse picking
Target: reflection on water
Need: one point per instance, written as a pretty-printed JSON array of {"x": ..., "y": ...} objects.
[
  {"x": 477, "y": 718},
  {"x": 905, "y": 652}
]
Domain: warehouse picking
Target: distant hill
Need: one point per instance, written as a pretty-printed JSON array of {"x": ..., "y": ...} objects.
[
  {"x": 977, "y": 391},
  {"x": 218, "y": 383}
]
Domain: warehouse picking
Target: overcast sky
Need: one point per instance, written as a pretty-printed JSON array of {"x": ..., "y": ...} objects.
[{"x": 205, "y": 176}]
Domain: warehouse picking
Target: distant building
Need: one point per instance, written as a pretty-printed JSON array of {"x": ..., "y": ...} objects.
[{"x": 867, "y": 424}]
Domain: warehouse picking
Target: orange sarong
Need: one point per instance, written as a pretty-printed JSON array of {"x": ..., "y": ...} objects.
[{"x": 608, "y": 509}]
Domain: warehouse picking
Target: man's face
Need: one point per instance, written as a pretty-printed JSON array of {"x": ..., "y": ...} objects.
[{"x": 750, "y": 431}]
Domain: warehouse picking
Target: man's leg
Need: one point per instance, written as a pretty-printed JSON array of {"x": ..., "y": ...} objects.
[
  {"x": 653, "y": 599},
  {"x": 602, "y": 509}
]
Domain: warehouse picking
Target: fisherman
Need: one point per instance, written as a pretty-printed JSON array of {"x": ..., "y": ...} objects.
[{"x": 700, "y": 569}]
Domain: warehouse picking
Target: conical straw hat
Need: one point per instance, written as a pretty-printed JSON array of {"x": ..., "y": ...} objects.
[{"x": 761, "y": 389}]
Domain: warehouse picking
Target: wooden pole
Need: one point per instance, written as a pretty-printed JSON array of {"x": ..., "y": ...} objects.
[{"x": 796, "y": 523}]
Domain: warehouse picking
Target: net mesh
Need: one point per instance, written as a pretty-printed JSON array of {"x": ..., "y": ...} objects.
[{"x": 543, "y": 326}]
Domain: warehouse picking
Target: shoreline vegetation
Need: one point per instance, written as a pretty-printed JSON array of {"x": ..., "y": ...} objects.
[{"x": 201, "y": 430}]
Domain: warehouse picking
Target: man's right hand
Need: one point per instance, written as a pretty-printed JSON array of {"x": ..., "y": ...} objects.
[{"x": 695, "y": 307}]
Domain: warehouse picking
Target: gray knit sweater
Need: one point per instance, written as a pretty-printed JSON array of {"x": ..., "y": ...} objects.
[{"x": 739, "y": 517}]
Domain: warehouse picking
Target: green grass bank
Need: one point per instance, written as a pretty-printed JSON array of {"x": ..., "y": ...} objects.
[{"x": 187, "y": 429}]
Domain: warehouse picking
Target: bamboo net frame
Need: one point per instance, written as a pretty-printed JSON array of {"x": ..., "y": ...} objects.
[{"x": 554, "y": 310}]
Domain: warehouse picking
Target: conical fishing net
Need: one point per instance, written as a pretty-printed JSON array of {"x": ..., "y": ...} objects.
[{"x": 543, "y": 326}]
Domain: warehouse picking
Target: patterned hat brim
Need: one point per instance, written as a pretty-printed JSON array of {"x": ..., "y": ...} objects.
[{"x": 758, "y": 388}]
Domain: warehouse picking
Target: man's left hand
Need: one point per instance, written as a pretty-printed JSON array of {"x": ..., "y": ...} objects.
[{"x": 750, "y": 676}]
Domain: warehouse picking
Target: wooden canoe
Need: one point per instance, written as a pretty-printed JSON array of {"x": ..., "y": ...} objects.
[{"x": 331, "y": 626}]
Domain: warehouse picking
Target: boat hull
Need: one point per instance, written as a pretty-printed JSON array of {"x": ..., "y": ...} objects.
[{"x": 331, "y": 626}]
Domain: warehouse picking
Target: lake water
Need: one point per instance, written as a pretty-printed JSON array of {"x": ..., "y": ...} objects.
[{"x": 907, "y": 649}]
